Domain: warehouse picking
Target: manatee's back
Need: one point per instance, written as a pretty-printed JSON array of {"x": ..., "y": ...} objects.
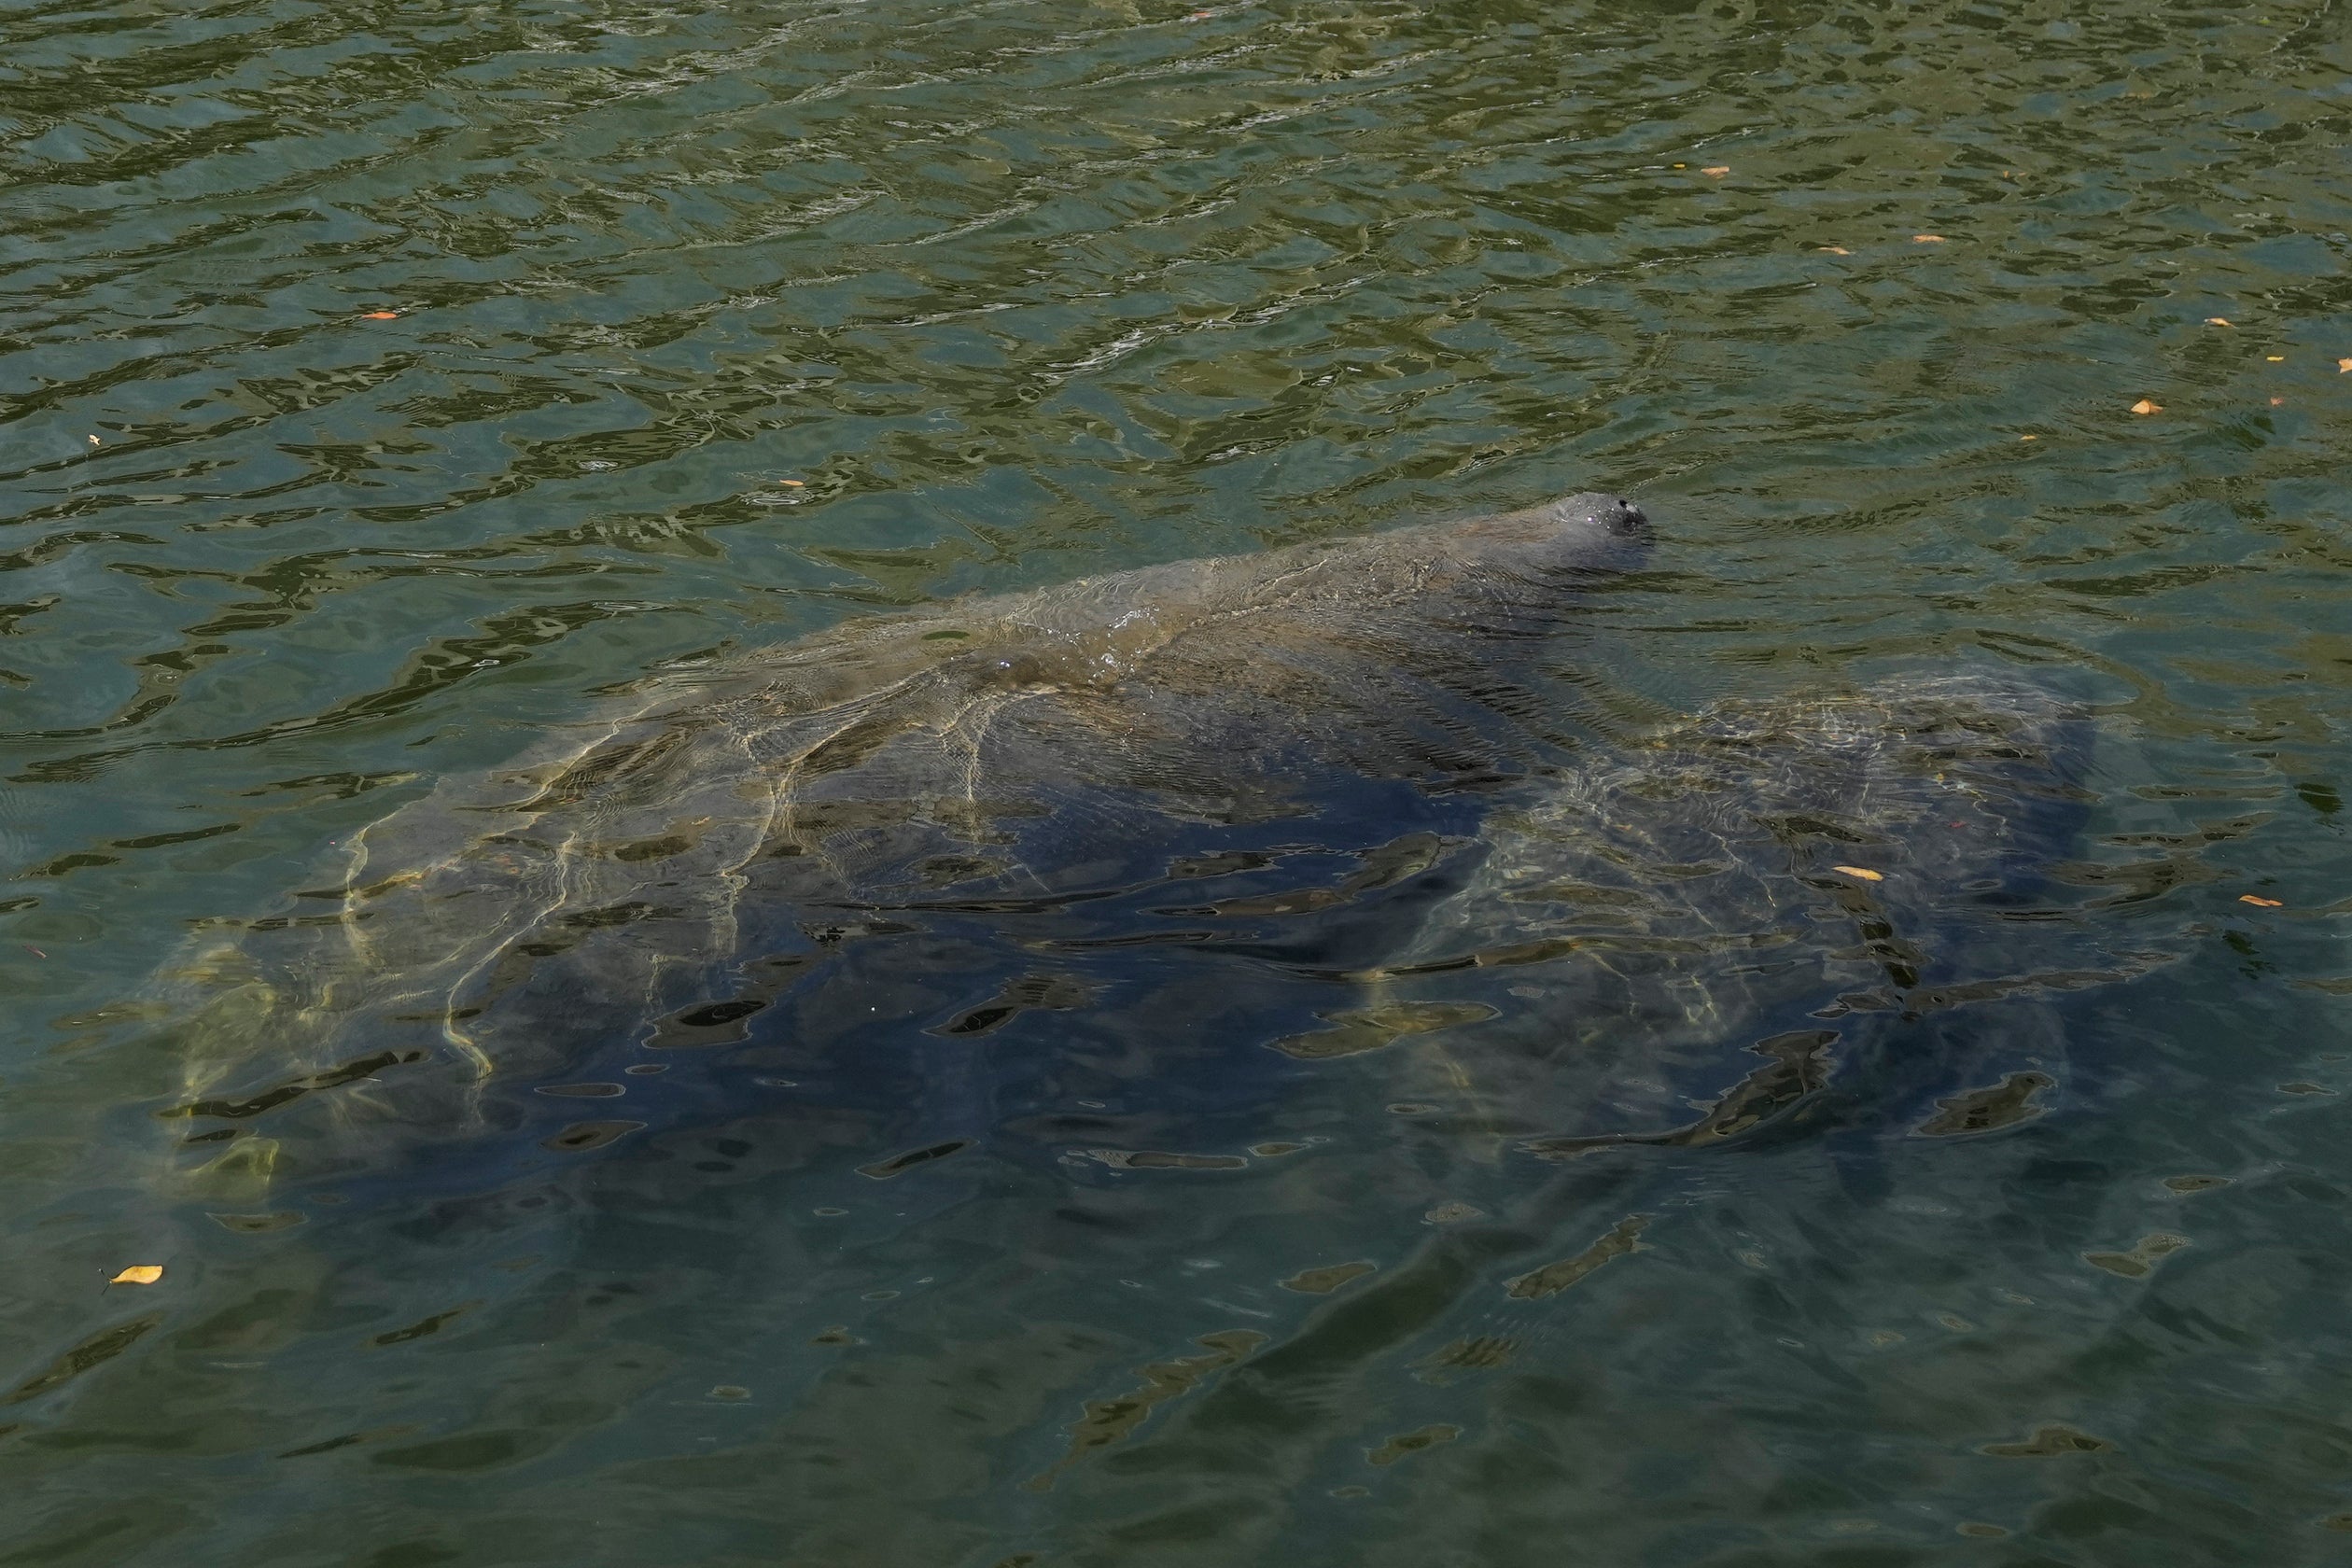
[{"x": 661, "y": 873}]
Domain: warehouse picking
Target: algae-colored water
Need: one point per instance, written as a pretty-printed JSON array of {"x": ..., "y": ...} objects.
[{"x": 380, "y": 386}]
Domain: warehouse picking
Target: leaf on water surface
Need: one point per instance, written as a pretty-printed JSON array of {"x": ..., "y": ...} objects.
[
  {"x": 139, "y": 1274},
  {"x": 1865, "y": 873},
  {"x": 2147, "y": 405},
  {"x": 380, "y": 316},
  {"x": 1837, "y": 250},
  {"x": 2218, "y": 321},
  {"x": 2343, "y": 366},
  {"x": 1717, "y": 171},
  {"x": 2260, "y": 903},
  {"x": 1927, "y": 239}
]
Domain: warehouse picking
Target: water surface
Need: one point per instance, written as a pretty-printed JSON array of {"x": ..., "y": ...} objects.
[{"x": 381, "y": 384}]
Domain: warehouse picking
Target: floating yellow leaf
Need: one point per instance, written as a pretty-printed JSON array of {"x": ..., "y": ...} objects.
[
  {"x": 139, "y": 1274},
  {"x": 2276, "y": 358},
  {"x": 2147, "y": 405},
  {"x": 1717, "y": 172},
  {"x": 1927, "y": 239},
  {"x": 2260, "y": 903},
  {"x": 1865, "y": 873},
  {"x": 2029, "y": 438},
  {"x": 2343, "y": 366},
  {"x": 2217, "y": 321}
]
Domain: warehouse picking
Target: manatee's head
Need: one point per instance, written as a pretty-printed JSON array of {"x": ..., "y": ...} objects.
[{"x": 1591, "y": 531}]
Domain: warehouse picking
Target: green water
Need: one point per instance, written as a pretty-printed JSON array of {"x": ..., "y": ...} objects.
[{"x": 710, "y": 327}]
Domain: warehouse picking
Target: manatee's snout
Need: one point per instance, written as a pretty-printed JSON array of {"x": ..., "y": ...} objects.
[
  {"x": 1590, "y": 532},
  {"x": 1611, "y": 514}
]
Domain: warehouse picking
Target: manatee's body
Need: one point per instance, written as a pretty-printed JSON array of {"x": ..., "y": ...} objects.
[
  {"x": 1738, "y": 892},
  {"x": 659, "y": 878},
  {"x": 940, "y": 878}
]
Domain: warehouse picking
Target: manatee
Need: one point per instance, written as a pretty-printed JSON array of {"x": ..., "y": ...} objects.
[
  {"x": 659, "y": 875},
  {"x": 1746, "y": 888},
  {"x": 1178, "y": 835}
]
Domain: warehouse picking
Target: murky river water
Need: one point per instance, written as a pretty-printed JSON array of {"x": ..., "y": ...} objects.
[{"x": 381, "y": 386}]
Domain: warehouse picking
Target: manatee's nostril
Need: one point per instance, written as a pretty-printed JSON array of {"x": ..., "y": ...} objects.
[{"x": 1629, "y": 516}]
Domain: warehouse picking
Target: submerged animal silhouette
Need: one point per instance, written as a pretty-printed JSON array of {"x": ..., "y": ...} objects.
[
  {"x": 661, "y": 872},
  {"x": 923, "y": 873}
]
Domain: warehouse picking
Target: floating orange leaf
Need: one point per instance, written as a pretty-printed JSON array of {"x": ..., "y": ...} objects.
[
  {"x": 2147, "y": 405},
  {"x": 380, "y": 316},
  {"x": 2277, "y": 401},
  {"x": 2261, "y": 903},
  {"x": 795, "y": 484},
  {"x": 1717, "y": 172},
  {"x": 139, "y": 1274},
  {"x": 1863, "y": 871},
  {"x": 2217, "y": 321},
  {"x": 2343, "y": 366},
  {"x": 1927, "y": 239}
]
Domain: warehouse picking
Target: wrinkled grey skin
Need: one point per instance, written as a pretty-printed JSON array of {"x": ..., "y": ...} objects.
[
  {"x": 995, "y": 744},
  {"x": 1766, "y": 874}
]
